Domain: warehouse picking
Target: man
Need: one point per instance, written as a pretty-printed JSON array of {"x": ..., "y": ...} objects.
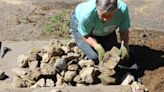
[{"x": 93, "y": 25}]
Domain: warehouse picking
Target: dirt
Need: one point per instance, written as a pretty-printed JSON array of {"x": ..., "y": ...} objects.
[{"x": 25, "y": 21}]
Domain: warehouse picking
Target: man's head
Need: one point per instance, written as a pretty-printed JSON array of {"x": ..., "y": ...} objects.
[{"x": 106, "y": 9}]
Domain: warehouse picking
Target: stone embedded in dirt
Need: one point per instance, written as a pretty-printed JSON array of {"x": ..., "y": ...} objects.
[
  {"x": 40, "y": 83},
  {"x": 87, "y": 75},
  {"x": 2, "y": 75},
  {"x": 73, "y": 67},
  {"x": 106, "y": 80},
  {"x": 22, "y": 61},
  {"x": 48, "y": 69},
  {"x": 60, "y": 80},
  {"x": 60, "y": 64},
  {"x": 19, "y": 72},
  {"x": 18, "y": 83},
  {"x": 69, "y": 75},
  {"x": 33, "y": 64},
  {"x": 86, "y": 63},
  {"x": 111, "y": 58},
  {"x": 50, "y": 83}
]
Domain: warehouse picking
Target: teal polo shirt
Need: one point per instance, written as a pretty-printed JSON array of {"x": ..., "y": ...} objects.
[{"x": 89, "y": 22}]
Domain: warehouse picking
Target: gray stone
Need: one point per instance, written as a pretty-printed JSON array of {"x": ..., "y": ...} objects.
[
  {"x": 77, "y": 79},
  {"x": 22, "y": 61},
  {"x": 111, "y": 58},
  {"x": 87, "y": 75},
  {"x": 33, "y": 64},
  {"x": 71, "y": 43},
  {"x": 69, "y": 75},
  {"x": 86, "y": 63},
  {"x": 107, "y": 71},
  {"x": 46, "y": 57},
  {"x": 53, "y": 60},
  {"x": 19, "y": 72},
  {"x": 60, "y": 80},
  {"x": 48, "y": 69},
  {"x": 50, "y": 83},
  {"x": 40, "y": 83},
  {"x": 60, "y": 64},
  {"x": 35, "y": 74},
  {"x": 73, "y": 67},
  {"x": 18, "y": 82},
  {"x": 106, "y": 80},
  {"x": 70, "y": 56}
]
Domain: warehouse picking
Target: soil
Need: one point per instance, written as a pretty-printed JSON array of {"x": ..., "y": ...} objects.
[{"x": 146, "y": 34}]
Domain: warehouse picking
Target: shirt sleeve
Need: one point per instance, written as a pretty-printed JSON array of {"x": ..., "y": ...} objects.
[
  {"x": 125, "y": 23},
  {"x": 85, "y": 27}
]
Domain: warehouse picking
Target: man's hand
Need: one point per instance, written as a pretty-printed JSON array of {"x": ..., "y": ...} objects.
[
  {"x": 100, "y": 50},
  {"x": 124, "y": 51}
]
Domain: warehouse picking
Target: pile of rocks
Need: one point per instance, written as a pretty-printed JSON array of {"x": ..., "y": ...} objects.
[{"x": 60, "y": 65}]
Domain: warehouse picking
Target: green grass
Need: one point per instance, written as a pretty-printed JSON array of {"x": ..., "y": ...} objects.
[{"x": 58, "y": 22}]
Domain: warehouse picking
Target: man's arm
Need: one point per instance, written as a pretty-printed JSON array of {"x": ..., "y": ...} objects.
[
  {"x": 90, "y": 40},
  {"x": 124, "y": 36}
]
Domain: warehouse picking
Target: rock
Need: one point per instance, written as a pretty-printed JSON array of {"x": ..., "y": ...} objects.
[
  {"x": 77, "y": 79},
  {"x": 2, "y": 75},
  {"x": 87, "y": 75},
  {"x": 66, "y": 49},
  {"x": 33, "y": 64},
  {"x": 22, "y": 61},
  {"x": 48, "y": 70},
  {"x": 70, "y": 56},
  {"x": 29, "y": 82},
  {"x": 35, "y": 56},
  {"x": 18, "y": 82},
  {"x": 86, "y": 63},
  {"x": 46, "y": 57},
  {"x": 76, "y": 50},
  {"x": 56, "y": 90},
  {"x": 73, "y": 67},
  {"x": 128, "y": 79},
  {"x": 60, "y": 64},
  {"x": 71, "y": 43},
  {"x": 40, "y": 83},
  {"x": 79, "y": 85},
  {"x": 19, "y": 72},
  {"x": 35, "y": 74},
  {"x": 55, "y": 42},
  {"x": 53, "y": 60},
  {"x": 111, "y": 58},
  {"x": 69, "y": 75},
  {"x": 106, "y": 80},
  {"x": 107, "y": 71},
  {"x": 50, "y": 83},
  {"x": 60, "y": 80}
]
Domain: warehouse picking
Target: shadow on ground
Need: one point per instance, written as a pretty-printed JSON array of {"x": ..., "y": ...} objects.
[{"x": 145, "y": 57}]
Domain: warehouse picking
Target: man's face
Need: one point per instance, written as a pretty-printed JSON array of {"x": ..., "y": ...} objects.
[{"x": 105, "y": 17}]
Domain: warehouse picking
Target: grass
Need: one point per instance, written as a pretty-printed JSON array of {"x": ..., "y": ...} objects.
[{"x": 58, "y": 22}]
